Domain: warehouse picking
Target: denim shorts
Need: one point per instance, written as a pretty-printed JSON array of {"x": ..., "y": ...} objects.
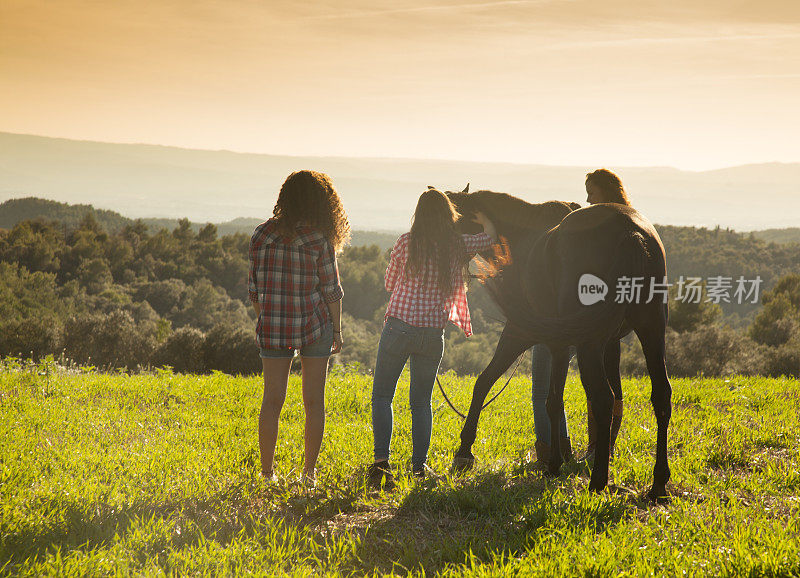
[{"x": 320, "y": 348}]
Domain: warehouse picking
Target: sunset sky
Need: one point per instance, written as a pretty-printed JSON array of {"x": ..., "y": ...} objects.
[{"x": 690, "y": 84}]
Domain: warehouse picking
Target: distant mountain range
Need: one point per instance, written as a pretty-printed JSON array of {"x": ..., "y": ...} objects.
[{"x": 150, "y": 181}]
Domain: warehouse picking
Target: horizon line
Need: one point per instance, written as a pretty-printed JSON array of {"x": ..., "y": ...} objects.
[
  {"x": 400, "y": 158},
  {"x": 374, "y": 230}
]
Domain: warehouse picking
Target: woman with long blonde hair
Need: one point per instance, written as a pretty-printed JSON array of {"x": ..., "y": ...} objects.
[{"x": 425, "y": 277}]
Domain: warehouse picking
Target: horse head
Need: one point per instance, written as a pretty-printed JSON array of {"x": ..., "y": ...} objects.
[{"x": 467, "y": 205}]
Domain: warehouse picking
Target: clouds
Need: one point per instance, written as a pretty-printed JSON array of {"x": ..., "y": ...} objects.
[{"x": 565, "y": 81}]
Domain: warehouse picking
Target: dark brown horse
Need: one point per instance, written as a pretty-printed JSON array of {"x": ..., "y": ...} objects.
[{"x": 552, "y": 247}]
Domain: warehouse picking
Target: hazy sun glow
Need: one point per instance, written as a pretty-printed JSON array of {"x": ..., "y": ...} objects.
[{"x": 577, "y": 82}]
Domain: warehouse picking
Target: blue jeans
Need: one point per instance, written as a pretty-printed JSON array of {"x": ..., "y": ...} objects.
[
  {"x": 541, "y": 362},
  {"x": 424, "y": 347}
]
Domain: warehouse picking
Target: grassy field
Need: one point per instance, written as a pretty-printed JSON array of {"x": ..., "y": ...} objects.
[{"x": 152, "y": 474}]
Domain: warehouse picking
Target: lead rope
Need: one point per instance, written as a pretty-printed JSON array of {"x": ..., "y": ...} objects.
[{"x": 485, "y": 405}]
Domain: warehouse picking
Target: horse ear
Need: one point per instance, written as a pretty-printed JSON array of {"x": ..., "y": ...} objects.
[
  {"x": 430, "y": 187},
  {"x": 466, "y": 189}
]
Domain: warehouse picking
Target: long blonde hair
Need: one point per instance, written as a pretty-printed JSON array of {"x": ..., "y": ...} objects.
[{"x": 434, "y": 237}]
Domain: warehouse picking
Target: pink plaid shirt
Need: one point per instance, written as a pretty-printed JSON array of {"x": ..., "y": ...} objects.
[{"x": 422, "y": 304}]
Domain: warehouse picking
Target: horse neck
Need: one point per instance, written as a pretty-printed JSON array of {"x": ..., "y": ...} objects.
[
  {"x": 514, "y": 217},
  {"x": 522, "y": 225}
]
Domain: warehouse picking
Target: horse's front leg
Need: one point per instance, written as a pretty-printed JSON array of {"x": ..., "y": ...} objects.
[
  {"x": 555, "y": 402},
  {"x": 508, "y": 350}
]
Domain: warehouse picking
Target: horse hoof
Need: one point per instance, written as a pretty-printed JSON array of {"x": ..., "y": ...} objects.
[
  {"x": 596, "y": 487},
  {"x": 462, "y": 464},
  {"x": 658, "y": 496}
]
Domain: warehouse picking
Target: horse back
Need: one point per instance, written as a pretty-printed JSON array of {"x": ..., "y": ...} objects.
[
  {"x": 593, "y": 235},
  {"x": 607, "y": 241}
]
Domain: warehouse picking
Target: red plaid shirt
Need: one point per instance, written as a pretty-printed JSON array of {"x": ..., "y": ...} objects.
[
  {"x": 422, "y": 305},
  {"x": 292, "y": 282}
]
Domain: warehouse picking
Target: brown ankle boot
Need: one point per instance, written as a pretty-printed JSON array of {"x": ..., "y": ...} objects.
[{"x": 542, "y": 456}]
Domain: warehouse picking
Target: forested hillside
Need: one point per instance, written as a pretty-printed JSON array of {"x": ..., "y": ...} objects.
[
  {"x": 123, "y": 294},
  {"x": 14, "y": 211},
  {"x": 789, "y": 235}
]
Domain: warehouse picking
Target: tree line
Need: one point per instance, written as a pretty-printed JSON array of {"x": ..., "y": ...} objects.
[{"x": 137, "y": 297}]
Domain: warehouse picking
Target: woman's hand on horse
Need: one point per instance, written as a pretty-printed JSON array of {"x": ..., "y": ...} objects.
[{"x": 486, "y": 223}]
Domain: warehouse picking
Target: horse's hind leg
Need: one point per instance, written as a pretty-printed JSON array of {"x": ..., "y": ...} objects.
[
  {"x": 653, "y": 346},
  {"x": 593, "y": 376},
  {"x": 611, "y": 364},
  {"x": 508, "y": 350}
]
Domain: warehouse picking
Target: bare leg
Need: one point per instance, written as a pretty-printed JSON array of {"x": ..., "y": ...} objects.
[
  {"x": 276, "y": 378},
  {"x": 315, "y": 372}
]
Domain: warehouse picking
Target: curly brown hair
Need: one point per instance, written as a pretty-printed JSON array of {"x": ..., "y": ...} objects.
[
  {"x": 308, "y": 197},
  {"x": 611, "y": 186},
  {"x": 434, "y": 236}
]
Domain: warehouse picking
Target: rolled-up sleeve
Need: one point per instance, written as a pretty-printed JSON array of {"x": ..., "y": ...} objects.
[
  {"x": 328, "y": 271},
  {"x": 397, "y": 261},
  {"x": 476, "y": 243}
]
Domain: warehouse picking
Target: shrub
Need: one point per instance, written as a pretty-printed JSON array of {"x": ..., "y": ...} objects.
[
  {"x": 360, "y": 342},
  {"x": 113, "y": 340},
  {"x": 34, "y": 336},
  {"x": 712, "y": 351},
  {"x": 231, "y": 349},
  {"x": 183, "y": 351},
  {"x": 783, "y": 360}
]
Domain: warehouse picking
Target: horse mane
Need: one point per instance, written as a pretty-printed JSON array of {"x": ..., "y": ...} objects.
[
  {"x": 505, "y": 209},
  {"x": 519, "y": 224}
]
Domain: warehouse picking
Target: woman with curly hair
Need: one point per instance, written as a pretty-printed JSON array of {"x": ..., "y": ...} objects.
[
  {"x": 295, "y": 290},
  {"x": 425, "y": 277}
]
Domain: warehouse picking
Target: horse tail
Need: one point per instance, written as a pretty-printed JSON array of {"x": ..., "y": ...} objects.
[{"x": 594, "y": 320}]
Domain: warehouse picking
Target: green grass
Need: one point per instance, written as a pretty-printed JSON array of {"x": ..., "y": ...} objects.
[{"x": 154, "y": 474}]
